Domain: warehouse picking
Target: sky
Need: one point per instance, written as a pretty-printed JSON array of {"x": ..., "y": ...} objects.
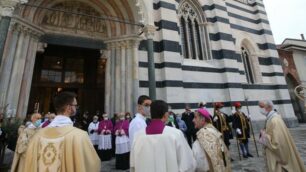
[{"x": 287, "y": 18}]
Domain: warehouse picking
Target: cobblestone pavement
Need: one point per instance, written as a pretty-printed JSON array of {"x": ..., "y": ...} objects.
[
  {"x": 245, "y": 165},
  {"x": 256, "y": 164}
]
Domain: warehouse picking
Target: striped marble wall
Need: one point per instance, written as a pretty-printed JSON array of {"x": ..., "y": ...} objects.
[{"x": 230, "y": 25}]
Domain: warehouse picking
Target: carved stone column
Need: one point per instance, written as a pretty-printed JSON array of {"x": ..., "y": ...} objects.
[
  {"x": 149, "y": 31},
  {"x": 128, "y": 78},
  {"x": 123, "y": 75},
  {"x": 112, "y": 74},
  {"x": 107, "y": 100},
  {"x": 132, "y": 81},
  {"x": 7, "y": 8},
  {"x": 117, "y": 77},
  {"x": 20, "y": 60},
  {"x": 28, "y": 75},
  {"x": 122, "y": 81},
  {"x": 135, "y": 72},
  {"x": 6, "y": 68}
]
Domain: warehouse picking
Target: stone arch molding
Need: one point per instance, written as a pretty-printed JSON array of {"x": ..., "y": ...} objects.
[
  {"x": 195, "y": 27},
  {"x": 195, "y": 5},
  {"x": 66, "y": 22},
  {"x": 137, "y": 12},
  {"x": 253, "y": 55},
  {"x": 246, "y": 40}
]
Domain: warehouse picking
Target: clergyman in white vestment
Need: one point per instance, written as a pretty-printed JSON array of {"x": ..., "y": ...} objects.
[
  {"x": 159, "y": 148},
  {"x": 139, "y": 122}
]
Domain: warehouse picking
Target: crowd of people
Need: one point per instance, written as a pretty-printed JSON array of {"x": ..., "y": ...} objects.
[{"x": 165, "y": 142}]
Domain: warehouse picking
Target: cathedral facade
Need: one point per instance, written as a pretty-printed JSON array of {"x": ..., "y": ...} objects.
[{"x": 106, "y": 51}]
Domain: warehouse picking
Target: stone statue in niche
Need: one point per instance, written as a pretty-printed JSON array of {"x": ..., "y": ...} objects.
[
  {"x": 82, "y": 23},
  {"x": 75, "y": 17},
  {"x": 52, "y": 18},
  {"x": 67, "y": 20}
]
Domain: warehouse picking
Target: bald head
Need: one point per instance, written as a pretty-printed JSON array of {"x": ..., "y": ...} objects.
[
  {"x": 35, "y": 117},
  {"x": 261, "y": 104},
  {"x": 267, "y": 105},
  {"x": 51, "y": 116}
]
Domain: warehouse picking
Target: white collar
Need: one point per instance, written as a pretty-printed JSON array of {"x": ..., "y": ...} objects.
[
  {"x": 95, "y": 123},
  {"x": 271, "y": 114},
  {"x": 60, "y": 121},
  {"x": 138, "y": 115},
  {"x": 32, "y": 126}
]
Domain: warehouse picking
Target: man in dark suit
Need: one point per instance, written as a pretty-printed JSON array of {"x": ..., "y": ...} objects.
[{"x": 187, "y": 117}]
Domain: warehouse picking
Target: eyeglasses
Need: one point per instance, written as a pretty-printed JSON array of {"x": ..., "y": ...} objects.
[{"x": 146, "y": 105}]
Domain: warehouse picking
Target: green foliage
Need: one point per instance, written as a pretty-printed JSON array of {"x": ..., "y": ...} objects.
[{"x": 10, "y": 127}]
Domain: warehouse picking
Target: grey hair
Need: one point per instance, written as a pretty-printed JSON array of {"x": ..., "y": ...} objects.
[{"x": 268, "y": 103}]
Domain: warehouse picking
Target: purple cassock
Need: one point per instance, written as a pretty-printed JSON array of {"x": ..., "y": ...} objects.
[
  {"x": 105, "y": 139},
  {"x": 122, "y": 142},
  {"x": 155, "y": 127},
  {"x": 105, "y": 125},
  {"x": 122, "y": 124}
]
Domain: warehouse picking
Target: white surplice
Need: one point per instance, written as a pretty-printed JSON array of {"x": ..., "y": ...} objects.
[
  {"x": 94, "y": 137},
  {"x": 105, "y": 142},
  {"x": 138, "y": 123},
  {"x": 164, "y": 152},
  {"x": 200, "y": 157},
  {"x": 122, "y": 144}
]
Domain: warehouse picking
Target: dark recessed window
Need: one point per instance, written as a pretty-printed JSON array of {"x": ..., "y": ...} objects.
[
  {"x": 245, "y": 55},
  {"x": 51, "y": 76},
  {"x": 193, "y": 32},
  {"x": 58, "y": 70},
  {"x": 74, "y": 71}
]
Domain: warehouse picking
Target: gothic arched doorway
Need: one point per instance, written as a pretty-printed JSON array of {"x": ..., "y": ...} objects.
[
  {"x": 62, "y": 68},
  {"x": 84, "y": 26}
]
